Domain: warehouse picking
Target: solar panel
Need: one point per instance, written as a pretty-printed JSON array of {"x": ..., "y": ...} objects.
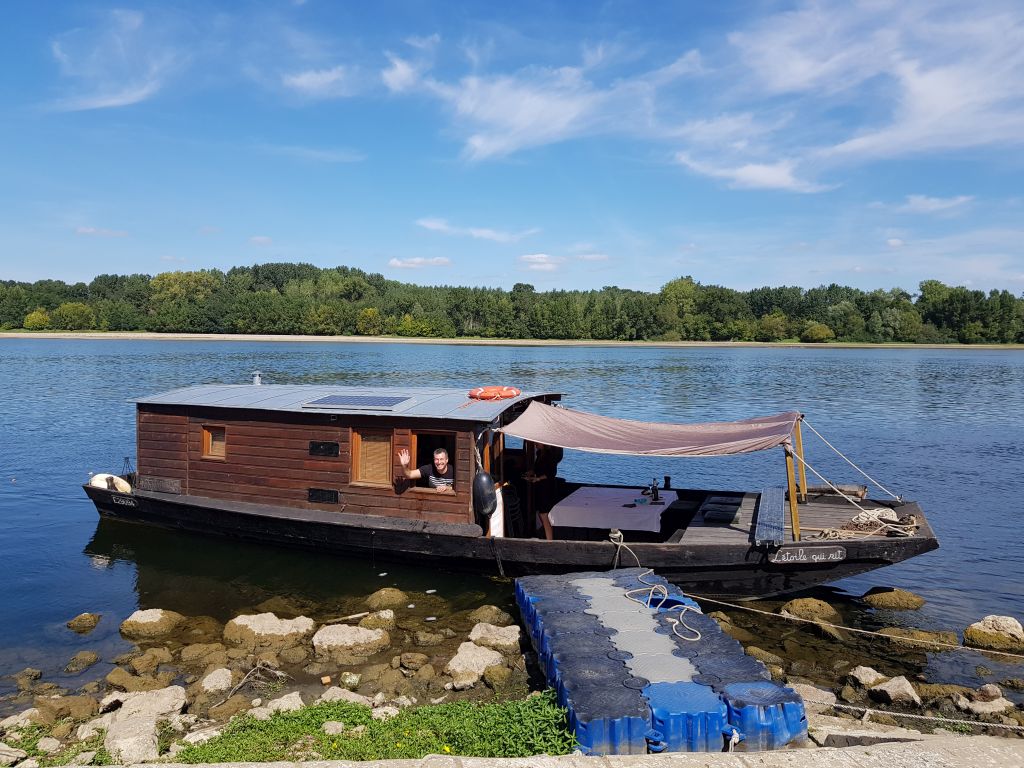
[{"x": 379, "y": 402}]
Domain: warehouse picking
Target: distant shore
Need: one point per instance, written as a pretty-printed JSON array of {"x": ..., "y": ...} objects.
[{"x": 148, "y": 336}]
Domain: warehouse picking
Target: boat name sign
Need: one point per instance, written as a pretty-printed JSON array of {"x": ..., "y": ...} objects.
[{"x": 795, "y": 555}]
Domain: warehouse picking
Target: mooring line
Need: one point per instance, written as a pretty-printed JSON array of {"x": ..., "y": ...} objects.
[
  {"x": 867, "y": 712},
  {"x": 891, "y": 638}
]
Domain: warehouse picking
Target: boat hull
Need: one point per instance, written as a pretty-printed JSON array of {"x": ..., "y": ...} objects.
[{"x": 713, "y": 570}]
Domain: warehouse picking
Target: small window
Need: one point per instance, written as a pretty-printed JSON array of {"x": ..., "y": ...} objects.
[
  {"x": 423, "y": 446},
  {"x": 214, "y": 442},
  {"x": 371, "y": 457},
  {"x": 323, "y": 496},
  {"x": 323, "y": 449}
]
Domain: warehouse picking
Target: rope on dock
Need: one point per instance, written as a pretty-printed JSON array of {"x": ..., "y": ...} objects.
[
  {"x": 891, "y": 638},
  {"x": 867, "y": 712},
  {"x": 616, "y": 538}
]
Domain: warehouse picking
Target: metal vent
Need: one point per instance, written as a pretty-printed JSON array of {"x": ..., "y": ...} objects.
[
  {"x": 323, "y": 449},
  {"x": 323, "y": 496}
]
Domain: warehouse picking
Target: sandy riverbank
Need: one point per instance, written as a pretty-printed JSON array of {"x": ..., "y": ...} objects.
[{"x": 146, "y": 336}]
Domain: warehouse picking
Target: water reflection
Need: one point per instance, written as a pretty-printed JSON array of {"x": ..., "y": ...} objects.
[{"x": 209, "y": 576}]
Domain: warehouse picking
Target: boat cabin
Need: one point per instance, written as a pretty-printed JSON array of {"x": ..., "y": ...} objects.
[{"x": 330, "y": 448}]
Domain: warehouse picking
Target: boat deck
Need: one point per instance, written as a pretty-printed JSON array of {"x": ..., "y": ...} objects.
[{"x": 682, "y": 521}]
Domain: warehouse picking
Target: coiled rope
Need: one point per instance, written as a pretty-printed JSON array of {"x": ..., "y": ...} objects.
[{"x": 652, "y": 588}]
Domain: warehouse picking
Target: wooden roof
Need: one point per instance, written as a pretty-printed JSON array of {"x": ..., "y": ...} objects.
[{"x": 403, "y": 402}]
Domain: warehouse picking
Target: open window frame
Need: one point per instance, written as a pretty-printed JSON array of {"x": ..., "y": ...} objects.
[{"x": 422, "y": 444}]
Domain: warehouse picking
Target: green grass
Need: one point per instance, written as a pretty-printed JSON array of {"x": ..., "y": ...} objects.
[
  {"x": 500, "y": 729},
  {"x": 29, "y": 741}
]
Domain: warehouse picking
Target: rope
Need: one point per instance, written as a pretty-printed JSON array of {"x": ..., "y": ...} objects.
[
  {"x": 734, "y": 740},
  {"x": 884, "y": 518},
  {"x": 867, "y": 712},
  {"x": 891, "y": 638},
  {"x": 617, "y": 539},
  {"x": 844, "y": 458},
  {"x": 866, "y": 515},
  {"x": 823, "y": 479}
]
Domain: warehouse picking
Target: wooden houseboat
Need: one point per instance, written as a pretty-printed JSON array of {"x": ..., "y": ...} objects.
[{"x": 321, "y": 467}]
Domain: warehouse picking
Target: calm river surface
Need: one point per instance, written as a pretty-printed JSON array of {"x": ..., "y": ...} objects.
[{"x": 940, "y": 426}]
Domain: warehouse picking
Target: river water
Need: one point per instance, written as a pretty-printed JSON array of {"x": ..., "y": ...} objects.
[{"x": 939, "y": 426}]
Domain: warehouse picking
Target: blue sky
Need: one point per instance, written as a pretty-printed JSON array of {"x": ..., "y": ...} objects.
[{"x": 568, "y": 145}]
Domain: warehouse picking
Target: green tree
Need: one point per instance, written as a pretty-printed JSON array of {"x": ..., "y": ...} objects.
[
  {"x": 187, "y": 302},
  {"x": 816, "y": 333},
  {"x": 772, "y": 327},
  {"x": 369, "y": 322},
  {"x": 73, "y": 316},
  {"x": 14, "y": 304},
  {"x": 36, "y": 320}
]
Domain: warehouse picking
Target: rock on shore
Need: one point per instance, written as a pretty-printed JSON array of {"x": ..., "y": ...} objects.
[
  {"x": 345, "y": 644},
  {"x": 996, "y": 633},
  {"x": 150, "y": 624},
  {"x": 266, "y": 632},
  {"x": 892, "y": 599}
]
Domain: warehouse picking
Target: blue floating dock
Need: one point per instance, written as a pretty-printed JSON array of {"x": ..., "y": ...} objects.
[{"x": 621, "y": 649}]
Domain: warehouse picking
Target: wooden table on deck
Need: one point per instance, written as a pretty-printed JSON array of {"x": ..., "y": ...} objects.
[{"x": 591, "y": 507}]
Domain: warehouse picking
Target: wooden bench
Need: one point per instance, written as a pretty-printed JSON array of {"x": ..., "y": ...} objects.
[{"x": 771, "y": 517}]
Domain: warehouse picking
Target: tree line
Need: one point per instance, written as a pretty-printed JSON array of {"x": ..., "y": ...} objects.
[{"x": 304, "y": 299}]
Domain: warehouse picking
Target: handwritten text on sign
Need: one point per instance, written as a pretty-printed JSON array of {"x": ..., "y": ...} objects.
[{"x": 809, "y": 555}]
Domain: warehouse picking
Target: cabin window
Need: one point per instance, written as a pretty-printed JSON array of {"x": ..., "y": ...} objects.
[
  {"x": 323, "y": 449},
  {"x": 371, "y": 457},
  {"x": 215, "y": 441},
  {"x": 424, "y": 444}
]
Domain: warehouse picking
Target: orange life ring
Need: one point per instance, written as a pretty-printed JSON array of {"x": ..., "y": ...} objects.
[{"x": 494, "y": 393}]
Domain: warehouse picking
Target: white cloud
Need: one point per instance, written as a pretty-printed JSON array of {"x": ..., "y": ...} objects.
[
  {"x": 418, "y": 262},
  {"x": 592, "y": 257},
  {"x": 777, "y": 175},
  {"x": 924, "y": 204},
  {"x": 336, "y": 82},
  {"x": 541, "y": 262},
  {"x": 313, "y": 154},
  {"x": 401, "y": 75},
  {"x": 940, "y": 75},
  {"x": 895, "y": 242},
  {"x": 479, "y": 233},
  {"x": 99, "y": 232},
  {"x": 260, "y": 240},
  {"x": 176, "y": 259},
  {"x": 427, "y": 44},
  {"x": 124, "y": 61},
  {"x": 535, "y": 106}
]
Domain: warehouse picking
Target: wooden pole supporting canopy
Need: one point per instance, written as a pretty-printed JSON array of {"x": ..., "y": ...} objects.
[
  {"x": 799, "y": 441},
  {"x": 794, "y": 513}
]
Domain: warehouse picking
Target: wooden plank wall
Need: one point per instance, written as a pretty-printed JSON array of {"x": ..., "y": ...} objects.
[
  {"x": 267, "y": 461},
  {"x": 162, "y": 443}
]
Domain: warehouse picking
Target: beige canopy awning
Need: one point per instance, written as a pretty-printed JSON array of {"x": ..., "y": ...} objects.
[{"x": 581, "y": 431}]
